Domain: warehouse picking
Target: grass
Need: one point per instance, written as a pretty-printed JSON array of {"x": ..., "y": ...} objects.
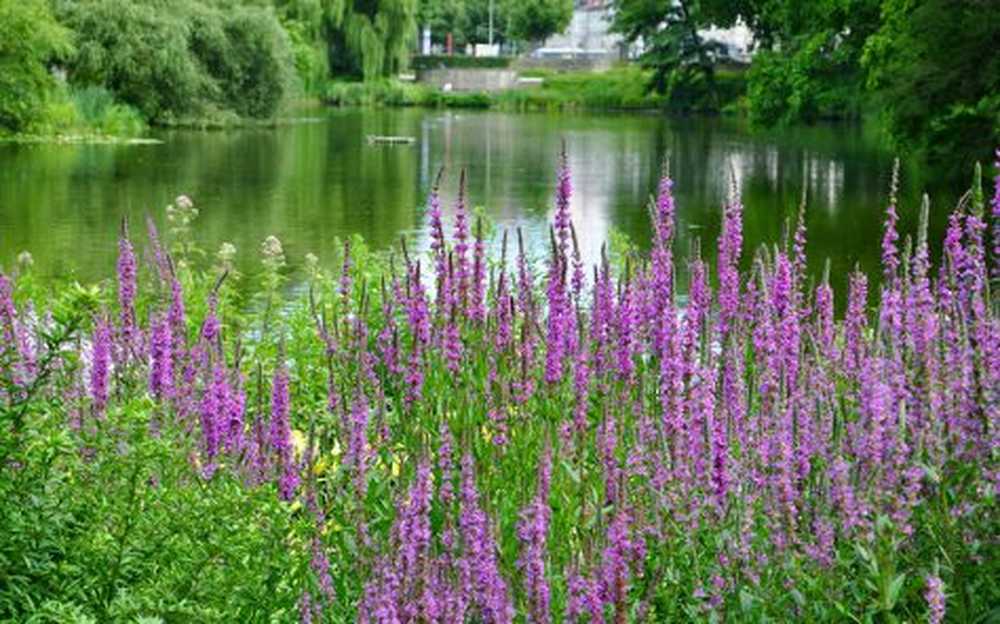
[{"x": 622, "y": 88}]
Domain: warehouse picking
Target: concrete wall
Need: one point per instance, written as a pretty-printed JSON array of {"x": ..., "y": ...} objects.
[
  {"x": 600, "y": 63},
  {"x": 468, "y": 79}
]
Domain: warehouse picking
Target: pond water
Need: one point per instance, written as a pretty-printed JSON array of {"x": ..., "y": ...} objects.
[{"x": 310, "y": 182}]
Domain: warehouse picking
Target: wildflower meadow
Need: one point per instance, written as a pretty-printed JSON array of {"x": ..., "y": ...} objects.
[{"x": 468, "y": 434}]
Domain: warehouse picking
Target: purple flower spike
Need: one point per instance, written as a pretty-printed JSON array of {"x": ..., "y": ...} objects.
[{"x": 100, "y": 366}]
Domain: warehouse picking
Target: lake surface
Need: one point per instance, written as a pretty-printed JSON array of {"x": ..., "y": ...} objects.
[{"x": 313, "y": 181}]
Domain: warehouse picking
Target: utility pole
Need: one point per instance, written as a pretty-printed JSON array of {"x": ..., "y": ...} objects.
[{"x": 491, "y": 24}]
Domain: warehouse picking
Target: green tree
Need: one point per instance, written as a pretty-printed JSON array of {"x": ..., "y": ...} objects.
[
  {"x": 935, "y": 72},
  {"x": 372, "y": 38},
  {"x": 443, "y": 17},
  {"x": 187, "y": 58},
  {"x": 536, "y": 20},
  {"x": 807, "y": 64},
  {"x": 674, "y": 49},
  {"x": 30, "y": 38}
]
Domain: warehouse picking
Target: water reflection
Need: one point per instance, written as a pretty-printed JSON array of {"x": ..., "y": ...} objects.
[{"x": 312, "y": 182}]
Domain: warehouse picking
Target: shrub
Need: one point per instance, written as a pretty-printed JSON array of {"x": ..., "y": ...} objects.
[
  {"x": 100, "y": 112},
  {"x": 183, "y": 59},
  {"x": 30, "y": 39}
]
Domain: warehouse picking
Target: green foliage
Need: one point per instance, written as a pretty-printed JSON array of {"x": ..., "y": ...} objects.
[
  {"x": 681, "y": 60},
  {"x": 538, "y": 19},
  {"x": 371, "y": 38},
  {"x": 30, "y": 39},
  {"x": 460, "y": 61},
  {"x": 188, "y": 58},
  {"x": 617, "y": 89},
  {"x": 99, "y": 111},
  {"x": 937, "y": 78},
  {"x": 808, "y": 67}
]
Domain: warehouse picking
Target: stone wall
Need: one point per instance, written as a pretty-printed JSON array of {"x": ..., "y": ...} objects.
[
  {"x": 577, "y": 64},
  {"x": 469, "y": 79}
]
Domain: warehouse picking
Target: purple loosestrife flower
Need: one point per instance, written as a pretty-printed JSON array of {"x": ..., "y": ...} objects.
[
  {"x": 438, "y": 243},
  {"x": 161, "y": 381},
  {"x": 995, "y": 210},
  {"x": 581, "y": 388},
  {"x": 412, "y": 530},
  {"x": 461, "y": 236},
  {"x": 525, "y": 285},
  {"x": 453, "y": 345},
  {"x": 280, "y": 434},
  {"x": 445, "y": 463},
  {"x": 477, "y": 303},
  {"x": 921, "y": 318},
  {"x": 627, "y": 328},
  {"x": 620, "y": 553},
  {"x": 346, "y": 283},
  {"x": 855, "y": 322},
  {"x": 126, "y": 292},
  {"x": 730, "y": 246},
  {"x": 533, "y": 532},
  {"x": 320, "y": 565},
  {"x": 954, "y": 256},
  {"x": 8, "y": 313},
  {"x": 177, "y": 321},
  {"x": 578, "y": 278},
  {"x": 214, "y": 409},
  {"x": 583, "y": 600},
  {"x": 974, "y": 267},
  {"x": 211, "y": 327},
  {"x": 564, "y": 191},
  {"x": 504, "y": 310},
  {"x": 602, "y": 317},
  {"x": 388, "y": 336},
  {"x": 487, "y": 588},
  {"x": 234, "y": 410},
  {"x": 555, "y": 339},
  {"x": 699, "y": 300},
  {"x": 852, "y": 513},
  {"x": 414, "y": 377},
  {"x": 890, "y": 255},
  {"x": 357, "y": 448},
  {"x": 160, "y": 259},
  {"x": 100, "y": 365},
  {"x": 417, "y": 314},
  {"x": 799, "y": 250},
  {"x": 934, "y": 595},
  {"x": 608, "y": 444},
  {"x": 307, "y": 608}
]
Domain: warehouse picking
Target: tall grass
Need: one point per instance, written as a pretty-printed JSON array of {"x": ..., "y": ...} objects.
[{"x": 460, "y": 436}]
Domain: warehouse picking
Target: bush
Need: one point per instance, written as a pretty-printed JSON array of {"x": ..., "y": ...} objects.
[
  {"x": 181, "y": 60},
  {"x": 30, "y": 39},
  {"x": 98, "y": 109}
]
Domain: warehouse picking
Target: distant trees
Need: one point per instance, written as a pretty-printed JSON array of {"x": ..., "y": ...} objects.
[
  {"x": 537, "y": 20},
  {"x": 929, "y": 66},
  {"x": 513, "y": 20},
  {"x": 934, "y": 70},
  {"x": 183, "y": 58},
  {"x": 30, "y": 38},
  {"x": 674, "y": 49}
]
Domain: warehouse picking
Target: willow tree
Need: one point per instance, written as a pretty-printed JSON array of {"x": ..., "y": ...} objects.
[{"x": 371, "y": 37}]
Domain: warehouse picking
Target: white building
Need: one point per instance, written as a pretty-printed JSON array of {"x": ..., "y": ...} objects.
[{"x": 588, "y": 36}]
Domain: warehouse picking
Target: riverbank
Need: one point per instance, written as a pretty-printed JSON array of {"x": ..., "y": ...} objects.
[{"x": 621, "y": 88}]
